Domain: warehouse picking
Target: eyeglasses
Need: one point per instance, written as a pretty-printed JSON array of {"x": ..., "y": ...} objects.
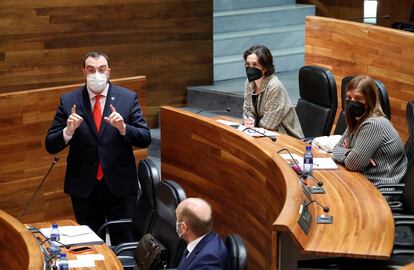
[{"x": 92, "y": 70}]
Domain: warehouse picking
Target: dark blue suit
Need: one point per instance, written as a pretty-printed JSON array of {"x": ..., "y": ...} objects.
[
  {"x": 209, "y": 254},
  {"x": 88, "y": 147}
]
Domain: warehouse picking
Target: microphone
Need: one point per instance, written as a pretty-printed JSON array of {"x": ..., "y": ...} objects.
[
  {"x": 261, "y": 133},
  {"x": 47, "y": 239},
  {"x": 226, "y": 110},
  {"x": 321, "y": 219},
  {"x": 299, "y": 172},
  {"x": 295, "y": 166},
  {"x": 313, "y": 178},
  {"x": 313, "y": 189},
  {"x": 325, "y": 208},
  {"x": 54, "y": 161}
]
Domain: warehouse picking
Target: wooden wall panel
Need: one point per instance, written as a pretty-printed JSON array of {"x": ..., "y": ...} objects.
[
  {"x": 25, "y": 117},
  {"x": 399, "y": 11},
  {"x": 352, "y": 10},
  {"x": 42, "y": 44},
  {"x": 349, "y": 48}
]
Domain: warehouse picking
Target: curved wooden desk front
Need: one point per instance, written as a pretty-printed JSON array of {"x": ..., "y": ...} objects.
[
  {"x": 18, "y": 248},
  {"x": 255, "y": 193}
]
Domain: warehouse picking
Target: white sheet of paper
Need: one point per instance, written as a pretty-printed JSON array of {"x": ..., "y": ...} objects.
[
  {"x": 81, "y": 263},
  {"x": 75, "y": 235},
  {"x": 93, "y": 257},
  {"x": 318, "y": 163}
]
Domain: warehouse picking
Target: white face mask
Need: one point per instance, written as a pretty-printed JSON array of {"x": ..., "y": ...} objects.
[{"x": 96, "y": 82}]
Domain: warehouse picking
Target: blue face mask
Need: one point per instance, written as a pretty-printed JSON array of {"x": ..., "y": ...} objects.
[
  {"x": 253, "y": 73},
  {"x": 355, "y": 108}
]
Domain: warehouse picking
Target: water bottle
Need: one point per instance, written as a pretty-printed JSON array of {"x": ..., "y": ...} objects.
[
  {"x": 308, "y": 162},
  {"x": 63, "y": 263},
  {"x": 55, "y": 232},
  {"x": 54, "y": 238}
]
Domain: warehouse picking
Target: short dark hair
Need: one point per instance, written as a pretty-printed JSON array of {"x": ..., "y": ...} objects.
[
  {"x": 264, "y": 56},
  {"x": 95, "y": 55},
  {"x": 198, "y": 226}
]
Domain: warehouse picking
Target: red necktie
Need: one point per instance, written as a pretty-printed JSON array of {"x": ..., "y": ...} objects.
[{"x": 97, "y": 116}]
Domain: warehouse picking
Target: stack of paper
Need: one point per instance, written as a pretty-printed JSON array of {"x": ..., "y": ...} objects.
[{"x": 75, "y": 235}]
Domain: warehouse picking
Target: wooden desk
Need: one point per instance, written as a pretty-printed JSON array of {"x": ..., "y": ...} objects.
[
  {"x": 110, "y": 262},
  {"x": 18, "y": 248},
  {"x": 256, "y": 194}
]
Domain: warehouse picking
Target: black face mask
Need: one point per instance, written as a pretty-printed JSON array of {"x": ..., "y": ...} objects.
[
  {"x": 253, "y": 73},
  {"x": 355, "y": 108}
]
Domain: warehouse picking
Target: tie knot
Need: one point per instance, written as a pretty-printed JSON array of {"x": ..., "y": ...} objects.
[{"x": 97, "y": 97}]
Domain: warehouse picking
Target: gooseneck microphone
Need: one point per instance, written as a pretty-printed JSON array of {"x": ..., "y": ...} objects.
[
  {"x": 295, "y": 165},
  {"x": 297, "y": 169},
  {"x": 54, "y": 161},
  {"x": 226, "y": 110},
  {"x": 48, "y": 239},
  {"x": 313, "y": 178},
  {"x": 325, "y": 208},
  {"x": 261, "y": 133}
]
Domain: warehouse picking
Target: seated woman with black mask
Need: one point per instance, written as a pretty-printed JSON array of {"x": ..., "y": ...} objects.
[
  {"x": 370, "y": 144},
  {"x": 266, "y": 102}
]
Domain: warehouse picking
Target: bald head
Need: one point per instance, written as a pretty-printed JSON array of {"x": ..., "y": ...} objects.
[{"x": 197, "y": 214}]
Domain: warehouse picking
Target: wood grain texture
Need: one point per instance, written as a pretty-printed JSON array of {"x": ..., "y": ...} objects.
[
  {"x": 399, "y": 11},
  {"x": 110, "y": 262},
  {"x": 352, "y": 10},
  {"x": 19, "y": 249},
  {"x": 42, "y": 44},
  {"x": 25, "y": 118},
  {"x": 349, "y": 48},
  {"x": 254, "y": 192}
]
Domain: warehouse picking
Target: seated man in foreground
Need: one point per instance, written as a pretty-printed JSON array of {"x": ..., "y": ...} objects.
[{"x": 205, "y": 249}]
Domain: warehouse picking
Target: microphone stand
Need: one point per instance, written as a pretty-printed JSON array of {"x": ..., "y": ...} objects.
[
  {"x": 261, "y": 133},
  {"x": 54, "y": 161}
]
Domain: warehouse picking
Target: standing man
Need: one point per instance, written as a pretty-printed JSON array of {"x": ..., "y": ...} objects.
[
  {"x": 205, "y": 249},
  {"x": 100, "y": 122}
]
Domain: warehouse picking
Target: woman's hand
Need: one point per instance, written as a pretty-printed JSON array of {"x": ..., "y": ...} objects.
[
  {"x": 249, "y": 122},
  {"x": 345, "y": 143}
]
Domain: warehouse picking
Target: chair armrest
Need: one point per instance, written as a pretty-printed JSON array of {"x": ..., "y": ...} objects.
[
  {"x": 401, "y": 251},
  {"x": 399, "y": 185},
  {"x": 404, "y": 220},
  {"x": 125, "y": 246},
  {"x": 391, "y": 192},
  {"x": 112, "y": 222}
]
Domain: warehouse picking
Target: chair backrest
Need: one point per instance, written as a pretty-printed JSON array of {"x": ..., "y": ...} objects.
[
  {"x": 316, "y": 107},
  {"x": 149, "y": 178},
  {"x": 168, "y": 195},
  {"x": 237, "y": 253},
  {"x": 409, "y": 145},
  {"x": 408, "y": 192},
  {"x": 383, "y": 99}
]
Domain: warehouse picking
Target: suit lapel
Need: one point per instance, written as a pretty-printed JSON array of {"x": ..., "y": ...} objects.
[
  {"x": 111, "y": 98},
  {"x": 197, "y": 249},
  {"x": 87, "y": 111}
]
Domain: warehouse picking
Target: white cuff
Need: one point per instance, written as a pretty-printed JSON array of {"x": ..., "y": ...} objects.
[{"x": 66, "y": 137}]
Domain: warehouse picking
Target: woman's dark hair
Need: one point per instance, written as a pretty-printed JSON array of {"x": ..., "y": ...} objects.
[
  {"x": 264, "y": 56},
  {"x": 367, "y": 87}
]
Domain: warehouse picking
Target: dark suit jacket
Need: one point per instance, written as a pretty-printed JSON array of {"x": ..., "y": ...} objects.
[
  {"x": 210, "y": 254},
  {"x": 87, "y": 147}
]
